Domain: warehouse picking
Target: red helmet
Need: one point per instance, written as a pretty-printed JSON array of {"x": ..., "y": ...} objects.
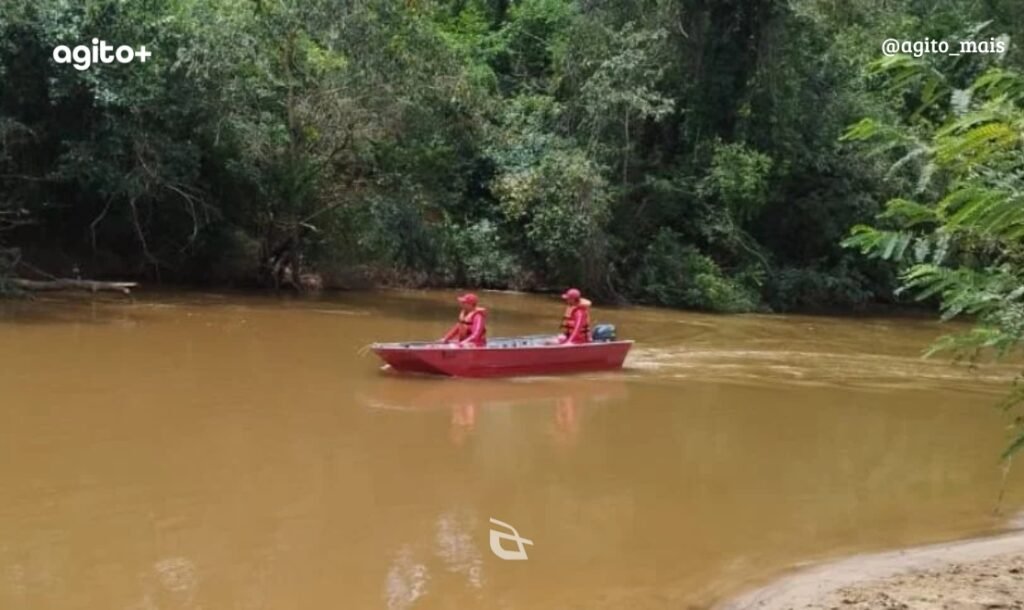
[
  {"x": 469, "y": 299},
  {"x": 571, "y": 294}
]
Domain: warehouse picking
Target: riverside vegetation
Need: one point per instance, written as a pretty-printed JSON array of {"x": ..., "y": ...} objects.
[
  {"x": 671, "y": 152},
  {"x": 681, "y": 153}
]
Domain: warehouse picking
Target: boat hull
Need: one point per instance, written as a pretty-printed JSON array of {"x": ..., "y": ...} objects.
[{"x": 503, "y": 358}]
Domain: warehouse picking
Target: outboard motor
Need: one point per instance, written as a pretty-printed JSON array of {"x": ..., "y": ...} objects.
[{"x": 603, "y": 332}]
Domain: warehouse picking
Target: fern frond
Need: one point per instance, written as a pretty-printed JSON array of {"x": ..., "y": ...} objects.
[
  {"x": 925, "y": 178},
  {"x": 928, "y": 280},
  {"x": 878, "y": 243},
  {"x": 913, "y": 154},
  {"x": 971, "y": 119},
  {"x": 960, "y": 101},
  {"x": 985, "y": 211},
  {"x": 976, "y": 144},
  {"x": 997, "y": 82},
  {"x": 908, "y": 213},
  {"x": 1015, "y": 445}
]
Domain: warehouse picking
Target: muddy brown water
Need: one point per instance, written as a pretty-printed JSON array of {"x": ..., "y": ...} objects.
[{"x": 188, "y": 451}]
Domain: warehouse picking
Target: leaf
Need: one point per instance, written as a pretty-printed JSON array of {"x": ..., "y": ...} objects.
[
  {"x": 976, "y": 144},
  {"x": 908, "y": 213},
  {"x": 960, "y": 101},
  {"x": 864, "y": 129},
  {"x": 1016, "y": 445},
  {"x": 922, "y": 248}
]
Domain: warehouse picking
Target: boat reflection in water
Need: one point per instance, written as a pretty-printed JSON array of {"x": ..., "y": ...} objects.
[
  {"x": 447, "y": 551},
  {"x": 466, "y": 399},
  {"x": 451, "y": 556}
]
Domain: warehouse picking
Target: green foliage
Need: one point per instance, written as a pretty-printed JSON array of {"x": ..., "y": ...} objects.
[
  {"x": 478, "y": 255},
  {"x": 612, "y": 73},
  {"x": 533, "y": 143},
  {"x": 525, "y": 44},
  {"x": 963, "y": 245},
  {"x": 738, "y": 178},
  {"x": 838, "y": 288},
  {"x": 553, "y": 193},
  {"x": 677, "y": 275},
  {"x": 397, "y": 234}
]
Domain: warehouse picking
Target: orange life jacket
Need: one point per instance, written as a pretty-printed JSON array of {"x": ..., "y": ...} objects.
[
  {"x": 570, "y": 313},
  {"x": 466, "y": 323}
]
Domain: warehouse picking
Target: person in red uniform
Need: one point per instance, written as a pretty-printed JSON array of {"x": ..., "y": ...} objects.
[
  {"x": 576, "y": 319},
  {"x": 471, "y": 329}
]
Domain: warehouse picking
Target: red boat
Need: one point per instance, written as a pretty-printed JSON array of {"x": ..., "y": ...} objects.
[{"x": 534, "y": 355}]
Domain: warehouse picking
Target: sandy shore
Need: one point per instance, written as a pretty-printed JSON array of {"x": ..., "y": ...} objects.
[{"x": 982, "y": 573}]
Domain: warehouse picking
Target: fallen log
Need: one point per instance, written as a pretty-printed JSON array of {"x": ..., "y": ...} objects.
[{"x": 69, "y": 284}]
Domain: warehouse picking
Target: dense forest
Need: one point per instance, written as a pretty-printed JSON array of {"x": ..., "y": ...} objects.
[{"x": 688, "y": 153}]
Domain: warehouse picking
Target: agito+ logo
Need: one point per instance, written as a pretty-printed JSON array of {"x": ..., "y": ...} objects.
[
  {"x": 496, "y": 537},
  {"x": 81, "y": 57}
]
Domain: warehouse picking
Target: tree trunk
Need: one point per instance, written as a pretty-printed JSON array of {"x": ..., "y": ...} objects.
[{"x": 69, "y": 284}]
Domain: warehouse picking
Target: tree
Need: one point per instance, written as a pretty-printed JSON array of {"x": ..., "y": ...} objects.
[
  {"x": 524, "y": 144},
  {"x": 958, "y": 233}
]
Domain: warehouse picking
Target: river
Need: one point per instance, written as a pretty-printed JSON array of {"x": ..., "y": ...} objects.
[{"x": 187, "y": 451}]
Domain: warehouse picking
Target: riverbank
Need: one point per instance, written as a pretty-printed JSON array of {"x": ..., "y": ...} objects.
[{"x": 977, "y": 573}]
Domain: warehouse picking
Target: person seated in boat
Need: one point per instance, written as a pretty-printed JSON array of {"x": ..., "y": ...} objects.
[
  {"x": 576, "y": 319},
  {"x": 471, "y": 329}
]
